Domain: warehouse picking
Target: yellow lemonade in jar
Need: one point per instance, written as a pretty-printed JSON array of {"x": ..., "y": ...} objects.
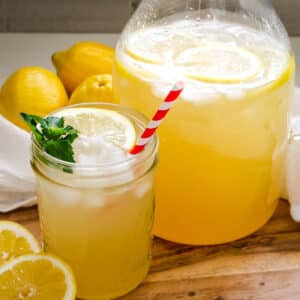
[
  {"x": 97, "y": 213},
  {"x": 223, "y": 145}
]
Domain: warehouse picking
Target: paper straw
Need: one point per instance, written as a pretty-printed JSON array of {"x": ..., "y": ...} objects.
[{"x": 158, "y": 118}]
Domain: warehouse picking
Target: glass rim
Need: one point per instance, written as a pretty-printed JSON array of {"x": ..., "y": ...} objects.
[{"x": 141, "y": 119}]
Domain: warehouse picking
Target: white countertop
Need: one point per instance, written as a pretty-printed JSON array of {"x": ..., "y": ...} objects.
[
  {"x": 23, "y": 49},
  {"x": 35, "y": 49}
]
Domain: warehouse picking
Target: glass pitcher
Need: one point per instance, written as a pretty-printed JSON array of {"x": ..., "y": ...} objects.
[{"x": 223, "y": 145}]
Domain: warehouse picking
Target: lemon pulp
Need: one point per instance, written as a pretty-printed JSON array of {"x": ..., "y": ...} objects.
[
  {"x": 36, "y": 277},
  {"x": 15, "y": 241}
]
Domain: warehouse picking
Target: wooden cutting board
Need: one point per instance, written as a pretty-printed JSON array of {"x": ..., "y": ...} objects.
[{"x": 263, "y": 266}]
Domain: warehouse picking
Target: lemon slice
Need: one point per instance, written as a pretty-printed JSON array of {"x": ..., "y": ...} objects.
[
  {"x": 219, "y": 64},
  {"x": 15, "y": 240},
  {"x": 159, "y": 45},
  {"x": 37, "y": 277},
  {"x": 111, "y": 125}
]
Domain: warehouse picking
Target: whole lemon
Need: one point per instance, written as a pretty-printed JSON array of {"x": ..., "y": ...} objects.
[
  {"x": 82, "y": 60},
  {"x": 32, "y": 90},
  {"x": 95, "y": 88}
]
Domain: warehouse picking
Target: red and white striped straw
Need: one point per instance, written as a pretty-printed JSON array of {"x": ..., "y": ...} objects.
[{"x": 158, "y": 118}]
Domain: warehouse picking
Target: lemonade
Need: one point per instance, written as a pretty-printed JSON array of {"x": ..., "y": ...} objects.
[
  {"x": 97, "y": 213},
  {"x": 223, "y": 144}
]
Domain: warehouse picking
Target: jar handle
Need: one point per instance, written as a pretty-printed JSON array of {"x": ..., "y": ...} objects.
[{"x": 293, "y": 168}]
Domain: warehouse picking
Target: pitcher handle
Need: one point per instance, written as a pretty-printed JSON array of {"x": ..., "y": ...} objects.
[{"x": 293, "y": 168}]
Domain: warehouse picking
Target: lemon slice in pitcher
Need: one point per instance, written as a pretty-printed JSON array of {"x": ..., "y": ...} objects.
[
  {"x": 159, "y": 45},
  {"x": 218, "y": 64},
  {"x": 111, "y": 125},
  {"x": 37, "y": 277},
  {"x": 15, "y": 241}
]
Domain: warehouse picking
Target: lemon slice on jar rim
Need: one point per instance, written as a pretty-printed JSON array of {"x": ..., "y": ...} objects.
[{"x": 114, "y": 127}]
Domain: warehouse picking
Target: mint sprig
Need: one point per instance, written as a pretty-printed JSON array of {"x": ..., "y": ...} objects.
[{"x": 52, "y": 135}]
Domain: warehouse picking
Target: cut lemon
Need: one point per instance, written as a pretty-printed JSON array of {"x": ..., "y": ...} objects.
[
  {"x": 111, "y": 125},
  {"x": 37, "y": 277},
  {"x": 218, "y": 64},
  {"x": 15, "y": 240}
]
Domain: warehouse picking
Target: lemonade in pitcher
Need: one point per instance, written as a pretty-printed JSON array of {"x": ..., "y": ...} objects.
[{"x": 223, "y": 145}]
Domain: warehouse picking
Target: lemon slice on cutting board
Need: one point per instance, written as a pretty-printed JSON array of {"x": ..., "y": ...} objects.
[
  {"x": 111, "y": 125},
  {"x": 15, "y": 241},
  {"x": 37, "y": 277},
  {"x": 219, "y": 64}
]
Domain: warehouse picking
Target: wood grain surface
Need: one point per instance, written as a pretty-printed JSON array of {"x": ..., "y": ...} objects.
[{"x": 263, "y": 266}]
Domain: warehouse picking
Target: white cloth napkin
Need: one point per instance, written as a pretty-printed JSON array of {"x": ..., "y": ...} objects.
[
  {"x": 17, "y": 182},
  {"x": 292, "y": 186},
  {"x": 291, "y": 175}
]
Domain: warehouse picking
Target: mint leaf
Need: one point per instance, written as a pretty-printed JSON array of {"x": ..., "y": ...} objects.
[
  {"x": 70, "y": 135},
  {"x": 32, "y": 122},
  {"x": 52, "y": 135},
  {"x": 60, "y": 149}
]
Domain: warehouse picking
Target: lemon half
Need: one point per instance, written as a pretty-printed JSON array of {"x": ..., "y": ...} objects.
[
  {"x": 37, "y": 277},
  {"x": 15, "y": 241}
]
